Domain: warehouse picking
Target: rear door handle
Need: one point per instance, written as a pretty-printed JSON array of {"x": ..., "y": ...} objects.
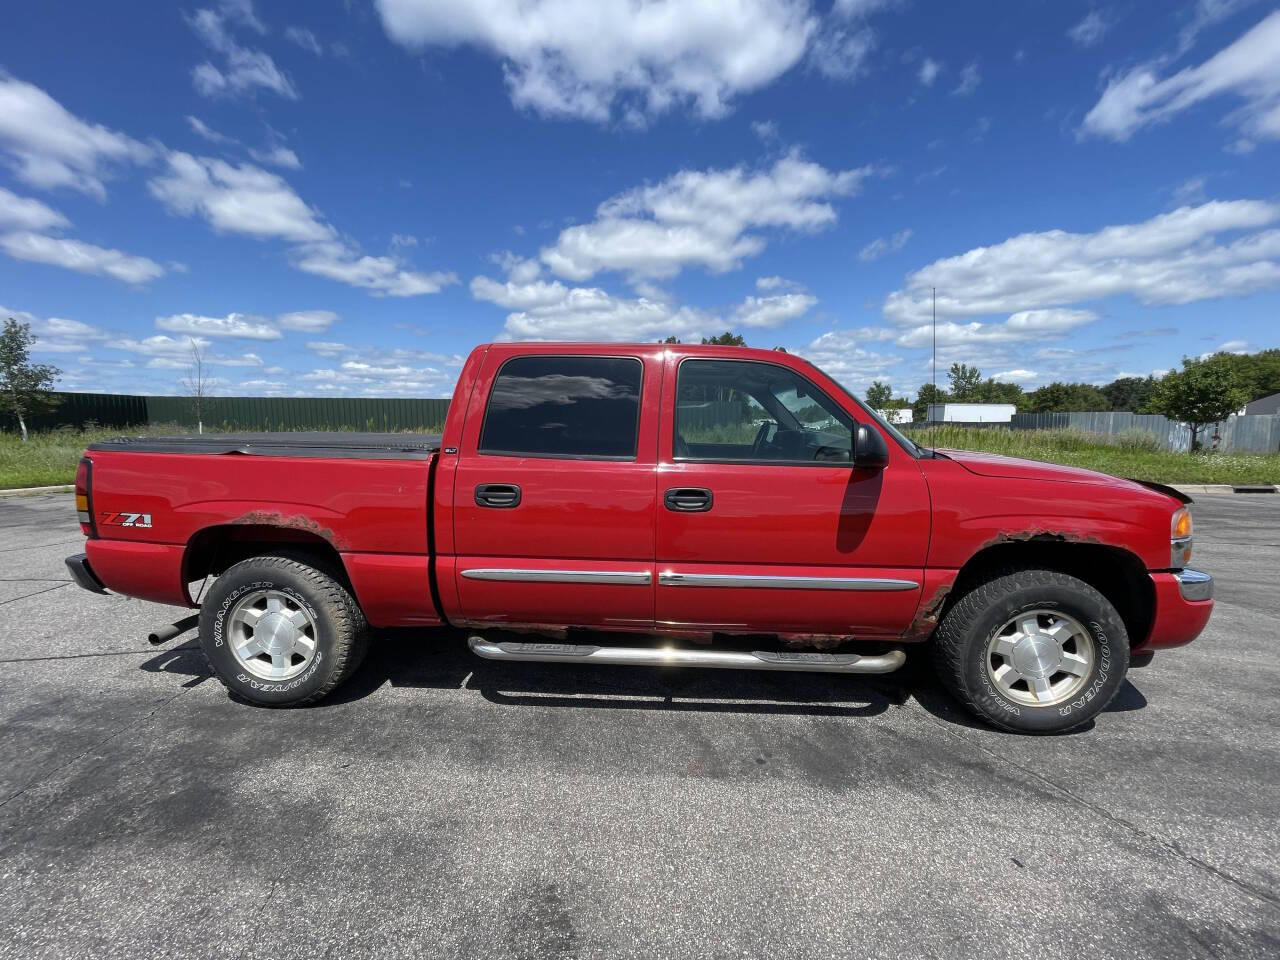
[
  {"x": 500, "y": 495},
  {"x": 688, "y": 499}
]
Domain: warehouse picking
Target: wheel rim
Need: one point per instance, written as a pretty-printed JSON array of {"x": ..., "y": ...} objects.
[
  {"x": 272, "y": 635},
  {"x": 1040, "y": 658}
]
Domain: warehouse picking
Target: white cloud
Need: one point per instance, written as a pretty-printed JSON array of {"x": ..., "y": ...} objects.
[
  {"x": 773, "y": 283},
  {"x": 305, "y": 39},
  {"x": 1090, "y": 31},
  {"x": 49, "y": 147},
  {"x": 382, "y": 276},
  {"x": 766, "y": 130},
  {"x": 244, "y": 70},
  {"x": 308, "y": 321},
  {"x": 56, "y": 334},
  {"x": 174, "y": 353},
  {"x": 878, "y": 247},
  {"x": 79, "y": 256},
  {"x": 239, "y": 325},
  {"x": 929, "y": 70},
  {"x": 1248, "y": 69},
  {"x": 1173, "y": 258},
  {"x": 202, "y": 129},
  {"x": 277, "y": 157},
  {"x": 519, "y": 296},
  {"x": 24, "y": 213},
  {"x": 701, "y": 218},
  {"x": 840, "y": 355},
  {"x": 237, "y": 199},
  {"x": 1234, "y": 346},
  {"x": 970, "y": 77},
  {"x": 772, "y": 311},
  {"x": 403, "y": 240},
  {"x": 1025, "y": 325},
  {"x": 639, "y": 58},
  {"x": 248, "y": 200}
]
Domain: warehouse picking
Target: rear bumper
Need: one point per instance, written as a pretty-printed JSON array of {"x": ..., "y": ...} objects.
[
  {"x": 1184, "y": 603},
  {"x": 83, "y": 574}
]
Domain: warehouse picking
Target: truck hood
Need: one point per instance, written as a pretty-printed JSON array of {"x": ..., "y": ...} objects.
[{"x": 1014, "y": 468}]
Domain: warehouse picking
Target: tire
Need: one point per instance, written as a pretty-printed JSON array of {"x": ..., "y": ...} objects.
[
  {"x": 322, "y": 652},
  {"x": 984, "y": 659}
]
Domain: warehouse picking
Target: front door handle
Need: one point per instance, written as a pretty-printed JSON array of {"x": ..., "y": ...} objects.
[
  {"x": 500, "y": 495},
  {"x": 688, "y": 499}
]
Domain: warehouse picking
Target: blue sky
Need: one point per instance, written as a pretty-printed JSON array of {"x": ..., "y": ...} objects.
[{"x": 344, "y": 198}]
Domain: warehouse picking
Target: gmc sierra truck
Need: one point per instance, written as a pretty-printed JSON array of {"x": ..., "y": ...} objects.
[{"x": 650, "y": 505}]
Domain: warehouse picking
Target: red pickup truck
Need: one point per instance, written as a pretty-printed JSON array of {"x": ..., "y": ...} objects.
[{"x": 650, "y": 505}]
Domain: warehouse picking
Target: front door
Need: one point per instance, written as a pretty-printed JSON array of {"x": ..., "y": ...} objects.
[
  {"x": 764, "y": 524},
  {"x": 554, "y": 492}
]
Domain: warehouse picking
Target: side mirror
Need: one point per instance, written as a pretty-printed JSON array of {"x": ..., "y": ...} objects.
[{"x": 869, "y": 449}]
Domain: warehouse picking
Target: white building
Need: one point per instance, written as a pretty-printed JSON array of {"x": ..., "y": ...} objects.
[
  {"x": 971, "y": 412},
  {"x": 898, "y": 415}
]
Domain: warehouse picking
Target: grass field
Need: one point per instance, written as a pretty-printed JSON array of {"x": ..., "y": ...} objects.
[
  {"x": 1127, "y": 455},
  {"x": 50, "y": 458}
]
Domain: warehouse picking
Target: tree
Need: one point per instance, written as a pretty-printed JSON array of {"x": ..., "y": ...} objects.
[
  {"x": 197, "y": 384},
  {"x": 996, "y": 391},
  {"x": 1129, "y": 393},
  {"x": 726, "y": 339},
  {"x": 879, "y": 396},
  {"x": 1202, "y": 392},
  {"x": 24, "y": 386},
  {"x": 966, "y": 381},
  {"x": 927, "y": 395},
  {"x": 672, "y": 339},
  {"x": 1058, "y": 397}
]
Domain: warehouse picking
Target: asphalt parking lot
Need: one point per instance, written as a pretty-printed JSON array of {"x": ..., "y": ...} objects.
[{"x": 444, "y": 806}]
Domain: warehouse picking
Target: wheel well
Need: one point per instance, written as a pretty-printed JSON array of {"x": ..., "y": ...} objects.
[
  {"x": 212, "y": 550},
  {"x": 1117, "y": 574}
]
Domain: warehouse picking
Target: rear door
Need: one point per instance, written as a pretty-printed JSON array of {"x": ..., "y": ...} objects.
[
  {"x": 764, "y": 524},
  {"x": 554, "y": 490}
]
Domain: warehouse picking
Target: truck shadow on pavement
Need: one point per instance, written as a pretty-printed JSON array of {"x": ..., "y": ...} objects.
[{"x": 410, "y": 659}]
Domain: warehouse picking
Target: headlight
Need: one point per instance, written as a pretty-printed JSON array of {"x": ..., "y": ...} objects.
[{"x": 1180, "y": 538}]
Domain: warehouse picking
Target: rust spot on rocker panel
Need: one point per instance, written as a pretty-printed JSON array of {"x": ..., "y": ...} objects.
[
  {"x": 299, "y": 522},
  {"x": 926, "y": 618}
]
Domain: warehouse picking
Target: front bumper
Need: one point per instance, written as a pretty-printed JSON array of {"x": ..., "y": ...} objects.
[
  {"x": 1195, "y": 585},
  {"x": 1184, "y": 603},
  {"x": 83, "y": 574}
]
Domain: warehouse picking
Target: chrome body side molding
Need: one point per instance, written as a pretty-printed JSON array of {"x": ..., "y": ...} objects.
[
  {"x": 671, "y": 578},
  {"x": 525, "y": 575}
]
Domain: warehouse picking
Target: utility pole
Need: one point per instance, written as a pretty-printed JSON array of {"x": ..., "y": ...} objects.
[{"x": 935, "y": 344}]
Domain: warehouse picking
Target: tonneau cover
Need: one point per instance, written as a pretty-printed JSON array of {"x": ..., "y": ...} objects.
[{"x": 358, "y": 446}]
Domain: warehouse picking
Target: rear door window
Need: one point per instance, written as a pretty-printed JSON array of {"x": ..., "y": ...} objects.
[{"x": 580, "y": 407}]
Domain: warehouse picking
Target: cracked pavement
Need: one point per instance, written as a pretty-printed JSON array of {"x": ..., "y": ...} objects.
[{"x": 444, "y": 806}]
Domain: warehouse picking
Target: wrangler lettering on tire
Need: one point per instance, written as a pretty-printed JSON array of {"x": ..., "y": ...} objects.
[{"x": 279, "y": 632}]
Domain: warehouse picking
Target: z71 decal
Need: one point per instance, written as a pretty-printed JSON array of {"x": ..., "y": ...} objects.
[{"x": 125, "y": 519}]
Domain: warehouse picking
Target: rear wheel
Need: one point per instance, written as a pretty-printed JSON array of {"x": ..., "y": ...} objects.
[
  {"x": 279, "y": 632},
  {"x": 1034, "y": 651}
]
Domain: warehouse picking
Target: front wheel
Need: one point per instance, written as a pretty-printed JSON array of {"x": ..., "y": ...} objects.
[
  {"x": 281, "y": 633},
  {"x": 1035, "y": 651}
]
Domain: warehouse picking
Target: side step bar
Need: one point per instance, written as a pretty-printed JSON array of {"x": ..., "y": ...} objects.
[{"x": 672, "y": 657}]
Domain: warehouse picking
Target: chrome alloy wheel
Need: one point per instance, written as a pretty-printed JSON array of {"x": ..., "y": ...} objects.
[
  {"x": 271, "y": 635},
  {"x": 1040, "y": 658}
]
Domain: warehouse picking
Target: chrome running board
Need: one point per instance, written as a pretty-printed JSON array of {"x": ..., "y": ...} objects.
[{"x": 676, "y": 657}]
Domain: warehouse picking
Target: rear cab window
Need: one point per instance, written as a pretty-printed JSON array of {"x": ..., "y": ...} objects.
[{"x": 567, "y": 407}]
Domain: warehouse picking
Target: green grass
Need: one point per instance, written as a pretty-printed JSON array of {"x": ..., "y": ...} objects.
[
  {"x": 50, "y": 457},
  {"x": 1126, "y": 455}
]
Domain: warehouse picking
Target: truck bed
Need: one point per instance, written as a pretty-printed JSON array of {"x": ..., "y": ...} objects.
[{"x": 355, "y": 446}]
